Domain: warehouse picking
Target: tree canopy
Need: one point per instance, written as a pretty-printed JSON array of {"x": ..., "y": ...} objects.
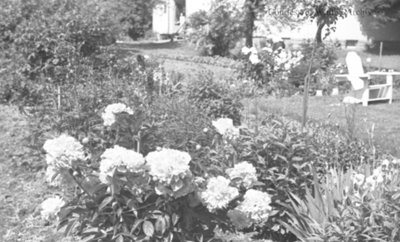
[
  {"x": 380, "y": 19},
  {"x": 325, "y": 12}
]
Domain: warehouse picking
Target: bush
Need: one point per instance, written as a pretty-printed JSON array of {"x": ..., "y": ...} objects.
[
  {"x": 324, "y": 58},
  {"x": 217, "y": 31},
  {"x": 214, "y": 99},
  {"x": 47, "y": 41},
  {"x": 270, "y": 68}
]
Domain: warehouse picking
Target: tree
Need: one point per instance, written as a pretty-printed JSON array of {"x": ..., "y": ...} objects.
[
  {"x": 217, "y": 31},
  {"x": 325, "y": 12},
  {"x": 380, "y": 19},
  {"x": 250, "y": 8}
]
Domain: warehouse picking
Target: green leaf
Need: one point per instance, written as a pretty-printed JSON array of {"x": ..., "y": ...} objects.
[
  {"x": 136, "y": 225},
  {"x": 160, "y": 226},
  {"x": 120, "y": 239},
  {"x": 175, "y": 219},
  {"x": 148, "y": 228},
  {"x": 105, "y": 202}
]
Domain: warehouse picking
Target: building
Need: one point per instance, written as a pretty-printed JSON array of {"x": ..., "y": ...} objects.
[{"x": 169, "y": 16}]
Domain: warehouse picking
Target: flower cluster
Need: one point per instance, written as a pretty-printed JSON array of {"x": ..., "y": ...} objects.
[
  {"x": 218, "y": 193},
  {"x": 245, "y": 172},
  {"x": 224, "y": 126},
  {"x": 375, "y": 179},
  {"x": 384, "y": 172},
  {"x": 167, "y": 163},
  {"x": 121, "y": 159},
  {"x": 170, "y": 169},
  {"x": 358, "y": 179},
  {"x": 282, "y": 59},
  {"x": 61, "y": 152},
  {"x": 109, "y": 113},
  {"x": 286, "y": 60},
  {"x": 256, "y": 205},
  {"x": 50, "y": 207},
  {"x": 253, "y": 57}
]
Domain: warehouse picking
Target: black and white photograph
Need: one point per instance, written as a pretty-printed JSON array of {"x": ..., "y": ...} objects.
[{"x": 200, "y": 120}]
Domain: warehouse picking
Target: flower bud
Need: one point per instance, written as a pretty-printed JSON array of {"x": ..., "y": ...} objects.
[{"x": 85, "y": 140}]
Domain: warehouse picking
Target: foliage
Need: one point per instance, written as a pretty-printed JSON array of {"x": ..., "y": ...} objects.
[
  {"x": 214, "y": 99},
  {"x": 209, "y": 60},
  {"x": 135, "y": 16},
  {"x": 378, "y": 18},
  {"x": 47, "y": 40},
  {"x": 216, "y": 31},
  {"x": 349, "y": 206},
  {"x": 322, "y": 62},
  {"x": 270, "y": 67},
  {"x": 325, "y": 13}
]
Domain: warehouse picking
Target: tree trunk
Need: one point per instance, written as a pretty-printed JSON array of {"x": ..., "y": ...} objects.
[
  {"x": 318, "y": 35},
  {"x": 250, "y": 17}
]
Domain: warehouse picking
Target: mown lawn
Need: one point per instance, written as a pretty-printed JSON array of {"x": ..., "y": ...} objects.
[
  {"x": 22, "y": 188},
  {"x": 382, "y": 117}
]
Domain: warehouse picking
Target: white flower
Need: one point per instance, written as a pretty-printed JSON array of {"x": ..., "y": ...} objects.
[
  {"x": 385, "y": 163},
  {"x": 224, "y": 126},
  {"x": 109, "y": 113},
  {"x": 358, "y": 178},
  {"x": 218, "y": 193},
  {"x": 245, "y": 171},
  {"x": 253, "y": 50},
  {"x": 50, "y": 207},
  {"x": 119, "y": 158},
  {"x": 165, "y": 164},
  {"x": 256, "y": 205},
  {"x": 246, "y": 50},
  {"x": 396, "y": 161},
  {"x": 62, "y": 151},
  {"x": 375, "y": 179},
  {"x": 254, "y": 59}
]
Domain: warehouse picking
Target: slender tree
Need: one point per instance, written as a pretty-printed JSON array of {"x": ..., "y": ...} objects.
[{"x": 251, "y": 8}]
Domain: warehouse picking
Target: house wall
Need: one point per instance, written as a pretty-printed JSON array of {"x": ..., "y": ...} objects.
[{"x": 164, "y": 18}]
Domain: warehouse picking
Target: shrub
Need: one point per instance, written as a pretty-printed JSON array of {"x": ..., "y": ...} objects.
[
  {"x": 269, "y": 68},
  {"x": 48, "y": 41},
  {"x": 324, "y": 58},
  {"x": 217, "y": 31},
  {"x": 214, "y": 99}
]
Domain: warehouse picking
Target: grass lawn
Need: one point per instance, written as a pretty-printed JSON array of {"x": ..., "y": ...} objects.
[
  {"x": 22, "y": 188},
  {"x": 387, "y": 61},
  {"x": 384, "y": 117}
]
